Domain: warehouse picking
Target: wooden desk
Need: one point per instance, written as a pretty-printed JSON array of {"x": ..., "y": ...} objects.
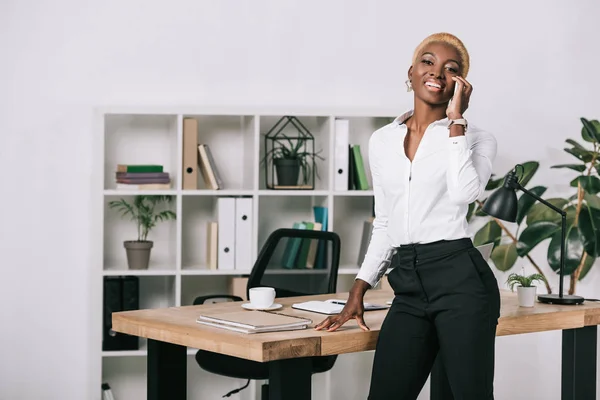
[{"x": 171, "y": 330}]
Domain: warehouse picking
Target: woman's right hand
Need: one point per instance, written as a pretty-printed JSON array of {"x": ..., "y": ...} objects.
[{"x": 354, "y": 308}]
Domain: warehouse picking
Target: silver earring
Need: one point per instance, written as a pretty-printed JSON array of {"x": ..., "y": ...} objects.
[{"x": 408, "y": 86}]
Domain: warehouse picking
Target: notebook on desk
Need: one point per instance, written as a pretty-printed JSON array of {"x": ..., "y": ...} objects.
[
  {"x": 332, "y": 306},
  {"x": 254, "y": 322}
]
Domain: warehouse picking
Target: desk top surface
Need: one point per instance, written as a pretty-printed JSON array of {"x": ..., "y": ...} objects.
[{"x": 178, "y": 325}]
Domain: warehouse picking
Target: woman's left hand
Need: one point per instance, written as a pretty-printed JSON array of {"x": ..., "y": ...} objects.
[{"x": 460, "y": 101}]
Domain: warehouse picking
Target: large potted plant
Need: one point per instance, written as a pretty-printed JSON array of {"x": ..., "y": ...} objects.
[
  {"x": 145, "y": 214},
  {"x": 542, "y": 224}
]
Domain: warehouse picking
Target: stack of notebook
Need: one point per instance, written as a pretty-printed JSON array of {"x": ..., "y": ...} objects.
[{"x": 254, "y": 321}]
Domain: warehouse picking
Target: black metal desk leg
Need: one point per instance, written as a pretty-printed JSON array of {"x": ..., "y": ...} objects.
[
  {"x": 579, "y": 349},
  {"x": 439, "y": 386},
  {"x": 167, "y": 371},
  {"x": 290, "y": 379}
]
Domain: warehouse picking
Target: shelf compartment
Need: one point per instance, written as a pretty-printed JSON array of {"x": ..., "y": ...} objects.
[
  {"x": 319, "y": 127},
  {"x": 198, "y": 211},
  {"x": 350, "y": 215},
  {"x": 231, "y": 140},
  {"x": 288, "y": 269},
  {"x": 288, "y": 210},
  {"x": 118, "y": 229},
  {"x": 140, "y": 139},
  {"x": 152, "y": 292},
  {"x": 360, "y": 131}
]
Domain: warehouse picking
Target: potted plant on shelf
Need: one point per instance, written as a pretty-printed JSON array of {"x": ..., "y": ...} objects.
[
  {"x": 526, "y": 290},
  {"x": 143, "y": 211},
  {"x": 291, "y": 156}
]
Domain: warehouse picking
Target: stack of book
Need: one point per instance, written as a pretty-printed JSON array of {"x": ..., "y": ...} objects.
[
  {"x": 142, "y": 177},
  {"x": 307, "y": 253},
  {"x": 253, "y": 322}
]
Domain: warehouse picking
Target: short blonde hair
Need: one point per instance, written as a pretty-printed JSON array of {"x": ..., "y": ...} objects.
[{"x": 450, "y": 39}]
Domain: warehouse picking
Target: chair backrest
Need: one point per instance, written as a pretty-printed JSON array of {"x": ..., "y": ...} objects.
[{"x": 297, "y": 262}]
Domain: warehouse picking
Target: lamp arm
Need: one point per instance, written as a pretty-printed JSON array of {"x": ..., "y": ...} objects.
[
  {"x": 563, "y": 230},
  {"x": 538, "y": 198}
]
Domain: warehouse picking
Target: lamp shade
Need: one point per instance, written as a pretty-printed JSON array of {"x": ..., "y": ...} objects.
[{"x": 502, "y": 204}]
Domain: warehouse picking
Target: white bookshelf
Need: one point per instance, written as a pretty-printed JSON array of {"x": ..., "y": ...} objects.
[{"x": 177, "y": 271}]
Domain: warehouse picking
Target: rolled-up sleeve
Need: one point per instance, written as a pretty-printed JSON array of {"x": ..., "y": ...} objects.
[
  {"x": 379, "y": 252},
  {"x": 469, "y": 167}
]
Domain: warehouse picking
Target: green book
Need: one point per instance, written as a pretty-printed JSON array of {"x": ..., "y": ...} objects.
[
  {"x": 360, "y": 168},
  {"x": 139, "y": 168},
  {"x": 304, "y": 247},
  {"x": 292, "y": 246}
]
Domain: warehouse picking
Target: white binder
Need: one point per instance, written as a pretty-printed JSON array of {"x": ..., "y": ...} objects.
[
  {"x": 341, "y": 150},
  {"x": 226, "y": 233},
  {"x": 243, "y": 233}
]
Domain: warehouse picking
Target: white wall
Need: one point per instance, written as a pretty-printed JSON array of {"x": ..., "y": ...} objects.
[{"x": 534, "y": 69}]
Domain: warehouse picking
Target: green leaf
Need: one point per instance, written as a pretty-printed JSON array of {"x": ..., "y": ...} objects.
[
  {"x": 526, "y": 201},
  {"x": 494, "y": 184},
  {"x": 571, "y": 213},
  {"x": 504, "y": 256},
  {"x": 575, "y": 144},
  {"x": 480, "y": 213},
  {"x": 574, "y": 167},
  {"x": 472, "y": 208},
  {"x": 592, "y": 128},
  {"x": 587, "y": 265},
  {"x": 574, "y": 182},
  {"x": 592, "y": 200},
  {"x": 534, "y": 234},
  {"x": 589, "y": 226},
  {"x": 541, "y": 212},
  {"x": 583, "y": 155},
  {"x": 529, "y": 169},
  {"x": 489, "y": 233},
  {"x": 591, "y": 184},
  {"x": 586, "y": 135},
  {"x": 573, "y": 250},
  {"x": 523, "y": 280}
]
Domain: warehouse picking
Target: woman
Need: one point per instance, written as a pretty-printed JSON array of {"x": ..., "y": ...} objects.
[{"x": 427, "y": 166}]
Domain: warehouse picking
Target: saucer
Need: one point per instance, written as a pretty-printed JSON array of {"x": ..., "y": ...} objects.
[{"x": 274, "y": 306}]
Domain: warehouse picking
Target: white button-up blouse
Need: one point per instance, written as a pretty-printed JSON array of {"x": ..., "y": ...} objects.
[{"x": 427, "y": 199}]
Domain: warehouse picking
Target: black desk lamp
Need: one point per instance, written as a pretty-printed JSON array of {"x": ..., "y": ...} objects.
[{"x": 502, "y": 204}]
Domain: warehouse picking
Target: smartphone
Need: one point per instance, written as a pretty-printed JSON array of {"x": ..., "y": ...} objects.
[{"x": 455, "y": 90}]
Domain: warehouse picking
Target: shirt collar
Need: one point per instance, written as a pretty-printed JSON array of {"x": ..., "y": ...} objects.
[{"x": 402, "y": 119}]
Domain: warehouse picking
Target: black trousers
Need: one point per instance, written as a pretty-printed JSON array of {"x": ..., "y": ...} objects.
[{"x": 446, "y": 304}]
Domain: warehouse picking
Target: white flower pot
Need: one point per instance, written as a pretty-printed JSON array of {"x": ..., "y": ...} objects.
[{"x": 526, "y": 296}]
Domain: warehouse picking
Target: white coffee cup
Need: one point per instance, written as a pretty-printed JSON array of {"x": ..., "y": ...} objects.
[{"x": 262, "y": 297}]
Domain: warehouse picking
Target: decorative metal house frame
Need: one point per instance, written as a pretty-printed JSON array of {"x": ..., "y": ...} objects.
[{"x": 289, "y": 159}]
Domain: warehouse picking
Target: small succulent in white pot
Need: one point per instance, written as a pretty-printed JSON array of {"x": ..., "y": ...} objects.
[{"x": 526, "y": 290}]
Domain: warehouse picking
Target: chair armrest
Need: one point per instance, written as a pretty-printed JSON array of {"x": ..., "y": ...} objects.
[{"x": 203, "y": 299}]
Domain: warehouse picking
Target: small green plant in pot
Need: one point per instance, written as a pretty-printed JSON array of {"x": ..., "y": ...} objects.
[
  {"x": 526, "y": 290},
  {"x": 144, "y": 212},
  {"x": 290, "y": 158}
]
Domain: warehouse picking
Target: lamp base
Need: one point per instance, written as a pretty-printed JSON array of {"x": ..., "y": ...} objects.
[{"x": 566, "y": 299}]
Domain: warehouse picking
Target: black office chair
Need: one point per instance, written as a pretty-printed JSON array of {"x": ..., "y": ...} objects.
[{"x": 272, "y": 268}]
